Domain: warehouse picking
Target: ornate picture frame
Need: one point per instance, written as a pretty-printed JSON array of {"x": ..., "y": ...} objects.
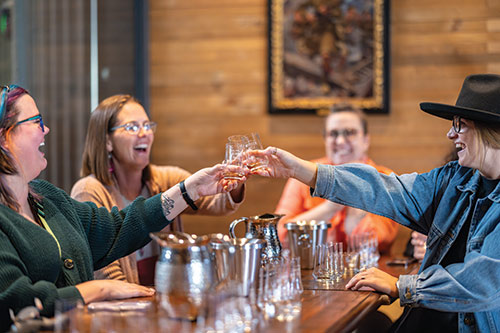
[{"x": 325, "y": 52}]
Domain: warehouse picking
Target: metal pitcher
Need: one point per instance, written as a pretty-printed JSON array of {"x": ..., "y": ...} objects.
[
  {"x": 184, "y": 273},
  {"x": 262, "y": 227}
]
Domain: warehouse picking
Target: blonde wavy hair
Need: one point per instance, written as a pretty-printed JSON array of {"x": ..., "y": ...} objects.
[{"x": 488, "y": 135}]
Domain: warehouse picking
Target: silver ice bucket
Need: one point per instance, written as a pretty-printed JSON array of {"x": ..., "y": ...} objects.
[
  {"x": 303, "y": 237},
  {"x": 237, "y": 262}
]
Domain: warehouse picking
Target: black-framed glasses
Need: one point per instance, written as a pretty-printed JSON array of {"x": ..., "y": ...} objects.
[
  {"x": 134, "y": 127},
  {"x": 37, "y": 119},
  {"x": 3, "y": 98},
  {"x": 457, "y": 124},
  {"x": 347, "y": 133}
]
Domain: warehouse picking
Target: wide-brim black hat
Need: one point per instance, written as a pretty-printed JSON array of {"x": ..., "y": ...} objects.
[{"x": 479, "y": 100}]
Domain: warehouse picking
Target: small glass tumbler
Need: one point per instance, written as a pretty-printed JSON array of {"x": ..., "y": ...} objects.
[
  {"x": 234, "y": 158},
  {"x": 223, "y": 310},
  {"x": 68, "y": 315},
  {"x": 254, "y": 162},
  {"x": 322, "y": 262},
  {"x": 337, "y": 261},
  {"x": 106, "y": 322}
]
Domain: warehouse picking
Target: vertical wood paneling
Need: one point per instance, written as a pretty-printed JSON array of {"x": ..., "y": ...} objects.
[
  {"x": 209, "y": 80},
  {"x": 58, "y": 80},
  {"x": 116, "y": 48},
  {"x": 59, "y": 77},
  {"x": 65, "y": 89}
]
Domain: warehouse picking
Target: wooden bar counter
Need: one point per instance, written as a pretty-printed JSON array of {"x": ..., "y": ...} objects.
[
  {"x": 326, "y": 307},
  {"x": 322, "y": 311}
]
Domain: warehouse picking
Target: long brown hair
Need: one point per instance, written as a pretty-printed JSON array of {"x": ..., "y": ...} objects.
[
  {"x": 8, "y": 118},
  {"x": 95, "y": 157}
]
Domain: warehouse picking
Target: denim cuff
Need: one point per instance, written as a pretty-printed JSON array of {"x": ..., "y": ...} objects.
[
  {"x": 324, "y": 181},
  {"x": 407, "y": 289}
]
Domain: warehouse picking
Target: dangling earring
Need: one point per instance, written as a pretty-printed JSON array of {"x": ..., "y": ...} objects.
[{"x": 110, "y": 162}]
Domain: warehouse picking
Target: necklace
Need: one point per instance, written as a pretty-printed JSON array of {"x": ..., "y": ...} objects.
[{"x": 37, "y": 211}]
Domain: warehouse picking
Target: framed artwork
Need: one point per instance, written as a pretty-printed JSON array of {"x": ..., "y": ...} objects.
[{"x": 326, "y": 52}]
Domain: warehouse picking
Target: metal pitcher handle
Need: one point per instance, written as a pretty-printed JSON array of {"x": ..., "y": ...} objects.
[{"x": 233, "y": 225}]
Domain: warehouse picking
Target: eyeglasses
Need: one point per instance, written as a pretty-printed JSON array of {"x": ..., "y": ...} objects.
[
  {"x": 457, "y": 124},
  {"x": 347, "y": 133},
  {"x": 3, "y": 98},
  {"x": 135, "y": 127},
  {"x": 37, "y": 119},
  {"x": 3, "y": 106}
]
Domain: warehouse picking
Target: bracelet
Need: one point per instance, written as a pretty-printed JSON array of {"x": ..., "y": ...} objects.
[{"x": 186, "y": 197}]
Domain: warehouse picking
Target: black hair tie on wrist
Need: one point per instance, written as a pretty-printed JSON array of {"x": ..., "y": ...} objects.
[{"x": 186, "y": 197}]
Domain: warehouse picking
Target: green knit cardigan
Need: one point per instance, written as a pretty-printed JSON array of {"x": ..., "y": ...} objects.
[{"x": 90, "y": 238}]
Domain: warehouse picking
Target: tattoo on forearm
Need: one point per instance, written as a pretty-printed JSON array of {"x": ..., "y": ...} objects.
[{"x": 166, "y": 204}]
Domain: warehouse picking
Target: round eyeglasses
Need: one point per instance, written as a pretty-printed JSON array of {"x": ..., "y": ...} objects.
[
  {"x": 457, "y": 124},
  {"x": 347, "y": 133},
  {"x": 134, "y": 127}
]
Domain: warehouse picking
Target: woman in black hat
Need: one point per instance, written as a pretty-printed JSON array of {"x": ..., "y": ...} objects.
[{"x": 457, "y": 206}]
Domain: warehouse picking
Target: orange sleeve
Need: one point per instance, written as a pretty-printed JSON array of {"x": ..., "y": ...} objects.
[{"x": 294, "y": 200}]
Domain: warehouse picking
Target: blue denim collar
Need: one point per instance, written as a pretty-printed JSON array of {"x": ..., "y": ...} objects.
[{"x": 472, "y": 185}]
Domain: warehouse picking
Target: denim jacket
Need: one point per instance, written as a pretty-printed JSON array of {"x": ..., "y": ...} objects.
[{"x": 437, "y": 204}]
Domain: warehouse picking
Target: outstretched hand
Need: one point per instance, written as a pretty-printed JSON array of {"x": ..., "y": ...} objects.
[
  {"x": 283, "y": 164},
  {"x": 374, "y": 279},
  {"x": 210, "y": 181}
]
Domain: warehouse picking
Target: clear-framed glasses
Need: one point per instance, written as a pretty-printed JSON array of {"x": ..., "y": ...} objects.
[
  {"x": 134, "y": 127},
  {"x": 36, "y": 119},
  {"x": 3, "y": 97},
  {"x": 347, "y": 133},
  {"x": 457, "y": 124}
]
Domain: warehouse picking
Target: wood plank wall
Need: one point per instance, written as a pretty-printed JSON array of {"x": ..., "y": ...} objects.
[{"x": 209, "y": 81}]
